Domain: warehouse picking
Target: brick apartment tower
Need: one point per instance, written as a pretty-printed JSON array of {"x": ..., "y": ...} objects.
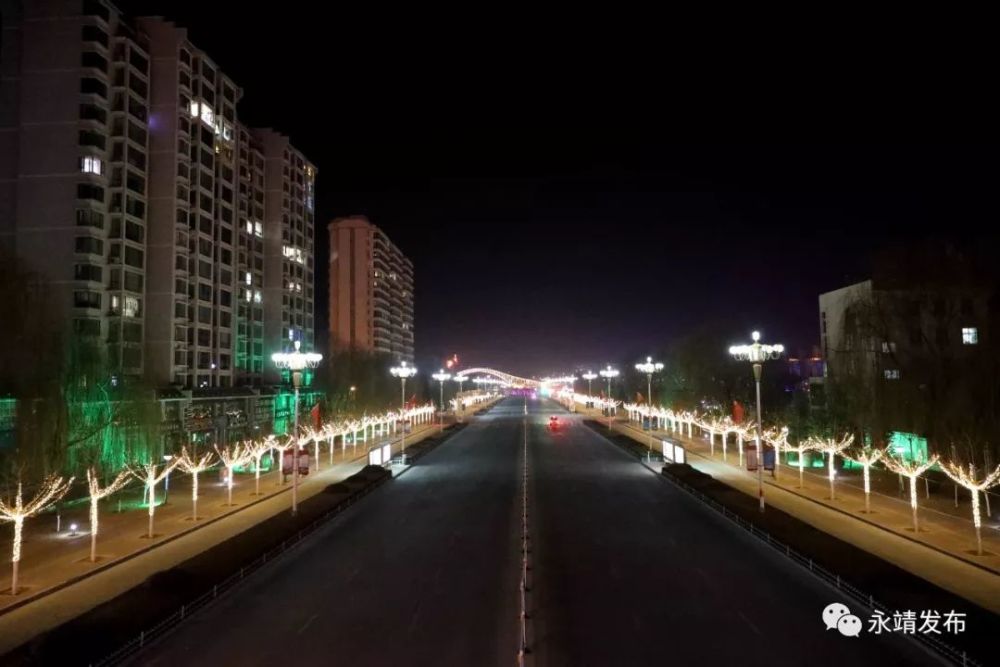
[{"x": 371, "y": 291}]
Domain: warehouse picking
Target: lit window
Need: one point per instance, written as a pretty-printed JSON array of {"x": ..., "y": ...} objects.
[
  {"x": 249, "y": 278},
  {"x": 258, "y": 229},
  {"x": 131, "y": 306},
  {"x": 114, "y": 303},
  {"x": 207, "y": 115},
  {"x": 256, "y": 296},
  {"x": 193, "y": 108},
  {"x": 970, "y": 336},
  {"x": 249, "y": 227},
  {"x": 249, "y": 296},
  {"x": 91, "y": 165},
  {"x": 892, "y": 374}
]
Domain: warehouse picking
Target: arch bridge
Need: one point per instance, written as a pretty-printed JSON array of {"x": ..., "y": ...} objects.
[{"x": 507, "y": 378}]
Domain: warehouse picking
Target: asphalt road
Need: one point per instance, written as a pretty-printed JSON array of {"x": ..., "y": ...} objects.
[{"x": 626, "y": 570}]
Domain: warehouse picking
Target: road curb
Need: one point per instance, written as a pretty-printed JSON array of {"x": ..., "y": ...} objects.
[
  {"x": 44, "y": 593},
  {"x": 820, "y": 503}
]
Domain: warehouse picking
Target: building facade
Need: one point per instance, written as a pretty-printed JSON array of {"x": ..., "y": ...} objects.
[
  {"x": 289, "y": 233},
  {"x": 371, "y": 291},
  {"x": 74, "y": 166},
  {"x": 174, "y": 237}
]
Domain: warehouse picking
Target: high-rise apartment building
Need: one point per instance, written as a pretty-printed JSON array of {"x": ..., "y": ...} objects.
[
  {"x": 74, "y": 163},
  {"x": 170, "y": 233},
  {"x": 371, "y": 290},
  {"x": 191, "y": 280},
  {"x": 289, "y": 210},
  {"x": 249, "y": 351}
]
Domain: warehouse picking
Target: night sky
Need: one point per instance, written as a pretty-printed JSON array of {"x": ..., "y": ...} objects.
[{"x": 553, "y": 220}]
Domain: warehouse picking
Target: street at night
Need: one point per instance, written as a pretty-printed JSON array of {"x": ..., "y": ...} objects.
[
  {"x": 625, "y": 567},
  {"x": 458, "y": 339}
]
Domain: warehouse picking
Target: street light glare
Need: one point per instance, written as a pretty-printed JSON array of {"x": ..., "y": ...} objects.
[
  {"x": 403, "y": 371},
  {"x": 297, "y": 360}
]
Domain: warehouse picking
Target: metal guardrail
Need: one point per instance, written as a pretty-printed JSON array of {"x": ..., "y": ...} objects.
[
  {"x": 145, "y": 637},
  {"x": 523, "y": 646},
  {"x": 942, "y": 649}
]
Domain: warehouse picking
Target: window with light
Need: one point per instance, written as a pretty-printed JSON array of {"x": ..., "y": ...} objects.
[{"x": 970, "y": 336}]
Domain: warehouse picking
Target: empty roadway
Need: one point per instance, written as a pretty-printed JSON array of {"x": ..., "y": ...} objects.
[{"x": 627, "y": 570}]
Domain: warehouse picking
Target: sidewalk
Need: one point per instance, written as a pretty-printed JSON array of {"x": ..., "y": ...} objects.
[
  {"x": 127, "y": 559},
  {"x": 942, "y": 554}
]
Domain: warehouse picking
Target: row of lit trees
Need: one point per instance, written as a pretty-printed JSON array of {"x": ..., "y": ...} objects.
[
  {"x": 23, "y": 506},
  {"x": 962, "y": 474}
]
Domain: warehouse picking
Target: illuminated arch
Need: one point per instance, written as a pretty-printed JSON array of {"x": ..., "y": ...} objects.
[{"x": 512, "y": 380}]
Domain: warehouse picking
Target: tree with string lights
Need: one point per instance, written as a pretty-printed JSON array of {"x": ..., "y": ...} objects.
[
  {"x": 281, "y": 446},
  {"x": 832, "y": 447},
  {"x": 967, "y": 478},
  {"x": 801, "y": 448},
  {"x": 256, "y": 449},
  {"x": 194, "y": 466},
  {"x": 911, "y": 470},
  {"x": 867, "y": 457},
  {"x": 150, "y": 475},
  {"x": 232, "y": 456},
  {"x": 777, "y": 438},
  {"x": 96, "y": 495},
  {"x": 16, "y": 510}
]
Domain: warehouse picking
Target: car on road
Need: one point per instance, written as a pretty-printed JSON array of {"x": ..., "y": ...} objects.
[{"x": 554, "y": 424}]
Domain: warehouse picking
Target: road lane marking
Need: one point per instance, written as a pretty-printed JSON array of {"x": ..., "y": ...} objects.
[
  {"x": 752, "y": 626},
  {"x": 306, "y": 624}
]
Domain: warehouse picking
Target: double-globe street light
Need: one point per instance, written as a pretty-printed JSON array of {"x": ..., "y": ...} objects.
[
  {"x": 296, "y": 362},
  {"x": 589, "y": 377},
  {"x": 757, "y": 353},
  {"x": 649, "y": 368},
  {"x": 402, "y": 372},
  {"x": 441, "y": 377}
]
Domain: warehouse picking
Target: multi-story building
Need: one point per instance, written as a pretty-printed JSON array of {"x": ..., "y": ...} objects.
[
  {"x": 371, "y": 290},
  {"x": 170, "y": 234},
  {"x": 289, "y": 233},
  {"x": 192, "y": 214},
  {"x": 249, "y": 353},
  {"x": 910, "y": 352},
  {"x": 74, "y": 149}
]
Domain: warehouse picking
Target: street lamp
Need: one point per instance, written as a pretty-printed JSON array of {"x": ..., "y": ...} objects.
[
  {"x": 757, "y": 353},
  {"x": 296, "y": 362},
  {"x": 649, "y": 368},
  {"x": 460, "y": 379},
  {"x": 441, "y": 376},
  {"x": 167, "y": 458},
  {"x": 609, "y": 373},
  {"x": 402, "y": 372},
  {"x": 589, "y": 377}
]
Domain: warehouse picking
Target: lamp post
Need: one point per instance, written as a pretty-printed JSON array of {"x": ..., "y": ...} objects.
[
  {"x": 296, "y": 362},
  {"x": 459, "y": 406},
  {"x": 441, "y": 376},
  {"x": 609, "y": 374},
  {"x": 757, "y": 353},
  {"x": 167, "y": 458},
  {"x": 649, "y": 367},
  {"x": 402, "y": 372},
  {"x": 589, "y": 377}
]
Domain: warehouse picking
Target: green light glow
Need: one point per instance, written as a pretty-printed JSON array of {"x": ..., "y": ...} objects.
[{"x": 908, "y": 446}]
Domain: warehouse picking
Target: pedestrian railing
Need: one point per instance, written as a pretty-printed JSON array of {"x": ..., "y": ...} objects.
[
  {"x": 939, "y": 647},
  {"x": 165, "y": 626}
]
